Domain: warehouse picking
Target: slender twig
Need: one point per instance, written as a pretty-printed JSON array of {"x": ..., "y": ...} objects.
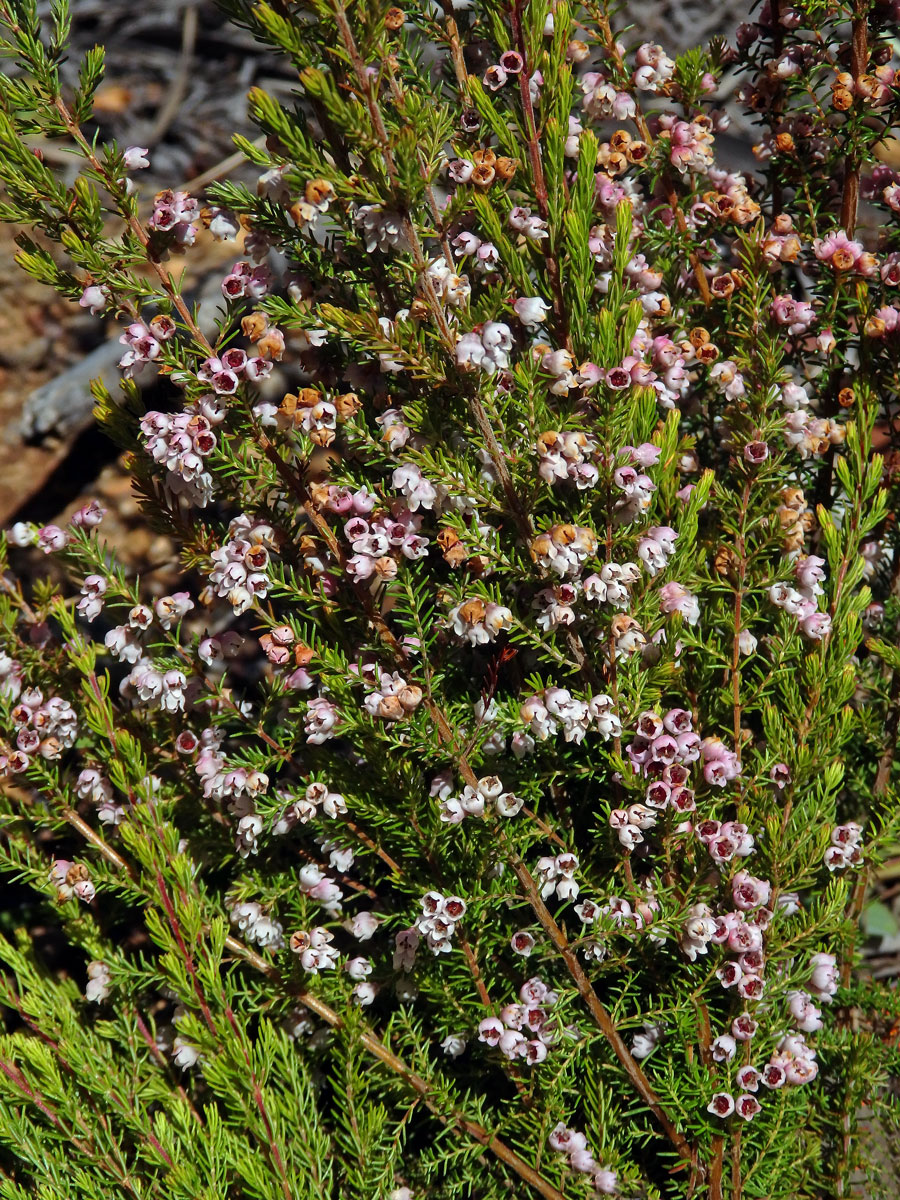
[
  {"x": 859, "y": 61},
  {"x": 537, "y": 170},
  {"x": 601, "y": 1016}
]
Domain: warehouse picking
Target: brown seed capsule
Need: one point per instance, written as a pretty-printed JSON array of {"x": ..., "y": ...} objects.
[
  {"x": 698, "y": 336},
  {"x": 875, "y": 327},
  {"x": 254, "y": 325},
  {"x": 724, "y": 561},
  {"x": 484, "y": 158},
  {"x": 302, "y": 212},
  {"x": 506, "y": 168},
  {"x": 394, "y": 19},
  {"x": 483, "y": 177},
  {"x": 472, "y": 611},
  {"x": 390, "y": 709},
  {"x": 842, "y": 98},
  {"x": 347, "y": 405},
  {"x": 707, "y": 353},
  {"x": 616, "y": 164},
  {"x": 451, "y": 547},
  {"x": 846, "y": 397},
  {"x": 622, "y": 624},
  {"x": 637, "y": 151},
  {"x": 784, "y": 143},
  {"x": 299, "y": 942},
  {"x": 418, "y": 310},
  {"x": 386, "y": 567},
  {"x": 271, "y": 345},
  {"x": 540, "y": 546},
  {"x": 318, "y": 191},
  {"x": 303, "y": 655},
  {"x": 793, "y": 499},
  {"x": 77, "y": 873},
  {"x": 410, "y": 697},
  {"x": 790, "y": 248},
  {"x": 723, "y": 285},
  {"x": 620, "y": 140},
  {"x": 51, "y": 747},
  {"x": 322, "y": 437}
]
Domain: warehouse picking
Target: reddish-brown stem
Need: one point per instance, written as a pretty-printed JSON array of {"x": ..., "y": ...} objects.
[
  {"x": 94, "y": 838},
  {"x": 18, "y": 1080},
  {"x": 859, "y": 61},
  {"x": 741, "y": 566},
  {"x": 186, "y": 956},
  {"x": 612, "y": 48},
  {"x": 716, "y": 1167},
  {"x": 135, "y": 226},
  {"x": 737, "y": 1187},
  {"x": 456, "y": 51},
  {"x": 271, "y": 1144},
  {"x": 537, "y": 170},
  {"x": 378, "y": 1050},
  {"x": 599, "y": 1013}
]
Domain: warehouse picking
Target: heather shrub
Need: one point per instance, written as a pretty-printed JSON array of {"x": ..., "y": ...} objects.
[{"x": 491, "y": 809}]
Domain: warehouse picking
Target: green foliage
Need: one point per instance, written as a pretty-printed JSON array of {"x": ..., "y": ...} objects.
[{"x": 545, "y": 475}]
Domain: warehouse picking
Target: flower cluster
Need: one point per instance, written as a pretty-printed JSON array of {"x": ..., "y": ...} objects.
[
  {"x": 43, "y": 727},
  {"x": 240, "y": 574},
  {"x": 173, "y": 215},
  {"x": 845, "y": 849},
  {"x": 556, "y": 877},
  {"x": 802, "y": 602},
  {"x": 510, "y": 1031},
  {"x": 556, "y": 708},
  {"x": 574, "y": 1145},
  {"x": 378, "y": 543},
  {"x": 487, "y": 794},
  {"x": 314, "y": 949},
  {"x": 181, "y": 442},
  {"x": 479, "y": 622},
  {"x": 438, "y": 919}
]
